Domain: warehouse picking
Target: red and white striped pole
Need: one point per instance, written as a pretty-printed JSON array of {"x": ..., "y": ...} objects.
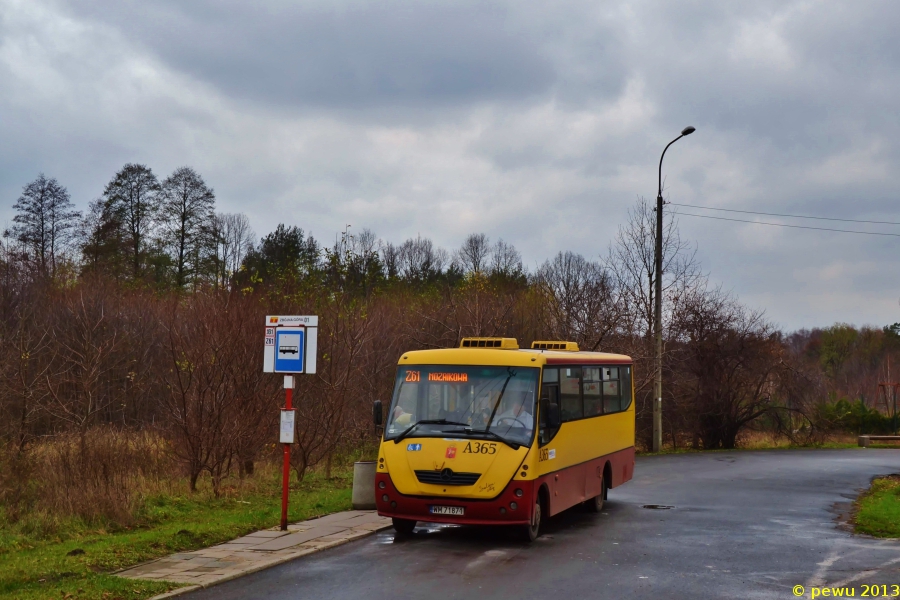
[{"x": 286, "y": 470}]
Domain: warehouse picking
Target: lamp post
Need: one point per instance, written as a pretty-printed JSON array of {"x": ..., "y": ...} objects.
[{"x": 657, "y": 308}]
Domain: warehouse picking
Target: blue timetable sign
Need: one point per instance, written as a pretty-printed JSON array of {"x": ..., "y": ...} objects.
[{"x": 289, "y": 349}]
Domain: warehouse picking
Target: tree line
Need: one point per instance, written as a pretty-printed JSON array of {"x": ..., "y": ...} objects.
[
  {"x": 140, "y": 230},
  {"x": 145, "y": 314}
]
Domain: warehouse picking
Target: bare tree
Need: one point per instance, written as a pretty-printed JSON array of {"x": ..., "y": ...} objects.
[
  {"x": 132, "y": 198},
  {"x": 45, "y": 223},
  {"x": 217, "y": 400},
  {"x": 234, "y": 239},
  {"x": 631, "y": 261},
  {"x": 326, "y": 401},
  {"x": 581, "y": 302},
  {"x": 365, "y": 243},
  {"x": 354, "y": 264},
  {"x": 187, "y": 206},
  {"x": 90, "y": 357},
  {"x": 472, "y": 256},
  {"x": 419, "y": 260},
  {"x": 390, "y": 258},
  {"x": 505, "y": 261},
  {"x": 724, "y": 366},
  {"x": 23, "y": 370}
]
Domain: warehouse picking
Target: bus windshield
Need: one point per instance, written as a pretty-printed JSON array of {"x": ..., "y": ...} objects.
[{"x": 464, "y": 401}]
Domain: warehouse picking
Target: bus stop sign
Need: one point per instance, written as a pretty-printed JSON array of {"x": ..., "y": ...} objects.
[
  {"x": 289, "y": 349},
  {"x": 291, "y": 344}
]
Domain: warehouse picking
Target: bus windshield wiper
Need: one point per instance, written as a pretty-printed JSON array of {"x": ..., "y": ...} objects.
[
  {"x": 488, "y": 432},
  {"x": 409, "y": 429},
  {"x": 490, "y": 422}
]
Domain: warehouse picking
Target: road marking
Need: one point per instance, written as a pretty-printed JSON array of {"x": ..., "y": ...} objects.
[
  {"x": 818, "y": 577},
  {"x": 862, "y": 574}
]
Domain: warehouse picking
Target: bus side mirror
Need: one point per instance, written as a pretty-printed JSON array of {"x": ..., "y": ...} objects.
[
  {"x": 553, "y": 419},
  {"x": 376, "y": 412}
]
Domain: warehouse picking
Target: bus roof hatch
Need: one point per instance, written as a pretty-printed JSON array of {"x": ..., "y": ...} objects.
[
  {"x": 565, "y": 346},
  {"x": 490, "y": 342}
]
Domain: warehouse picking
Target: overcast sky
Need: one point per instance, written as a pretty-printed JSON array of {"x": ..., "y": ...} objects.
[{"x": 537, "y": 122}]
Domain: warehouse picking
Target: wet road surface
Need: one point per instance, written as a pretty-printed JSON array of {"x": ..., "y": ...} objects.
[{"x": 742, "y": 525}]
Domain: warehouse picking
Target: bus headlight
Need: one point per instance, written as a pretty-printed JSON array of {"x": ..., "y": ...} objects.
[
  {"x": 519, "y": 492},
  {"x": 381, "y": 486},
  {"x": 513, "y": 506},
  {"x": 385, "y": 497}
]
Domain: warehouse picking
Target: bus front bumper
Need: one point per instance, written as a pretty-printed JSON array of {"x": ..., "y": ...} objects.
[{"x": 497, "y": 511}]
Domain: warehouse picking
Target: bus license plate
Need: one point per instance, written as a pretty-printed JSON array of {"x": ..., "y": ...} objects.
[{"x": 448, "y": 510}]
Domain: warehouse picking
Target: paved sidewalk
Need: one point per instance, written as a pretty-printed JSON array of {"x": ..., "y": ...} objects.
[{"x": 258, "y": 550}]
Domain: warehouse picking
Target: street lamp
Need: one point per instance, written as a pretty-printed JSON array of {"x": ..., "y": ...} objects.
[{"x": 657, "y": 308}]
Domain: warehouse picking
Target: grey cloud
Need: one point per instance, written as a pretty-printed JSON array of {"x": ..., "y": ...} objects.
[
  {"x": 536, "y": 122},
  {"x": 842, "y": 77},
  {"x": 333, "y": 56}
]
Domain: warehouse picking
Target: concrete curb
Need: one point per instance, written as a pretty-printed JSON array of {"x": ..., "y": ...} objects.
[
  {"x": 262, "y": 567},
  {"x": 178, "y": 592}
]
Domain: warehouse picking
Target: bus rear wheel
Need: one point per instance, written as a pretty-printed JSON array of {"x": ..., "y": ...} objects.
[
  {"x": 595, "y": 504},
  {"x": 403, "y": 526},
  {"x": 533, "y": 530}
]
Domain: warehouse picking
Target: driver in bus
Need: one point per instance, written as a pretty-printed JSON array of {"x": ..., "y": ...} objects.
[{"x": 517, "y": 414}]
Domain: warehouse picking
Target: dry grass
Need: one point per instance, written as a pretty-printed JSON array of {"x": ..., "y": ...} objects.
[
  {"x": 100, "y": 476},
  {"x": 763, "y": 440},
  {"x": 760, "y": 440},
  {"x": 77, "y": 559},
  {"x": 106, "y": 479}
]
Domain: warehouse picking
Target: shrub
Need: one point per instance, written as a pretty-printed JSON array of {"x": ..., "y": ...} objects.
[{"x": 854, "y": 417}]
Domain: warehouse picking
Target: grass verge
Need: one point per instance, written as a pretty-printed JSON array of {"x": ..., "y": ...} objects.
[
  {"x": 77, "y": 560},
  {"x": 878, "y": 509}
]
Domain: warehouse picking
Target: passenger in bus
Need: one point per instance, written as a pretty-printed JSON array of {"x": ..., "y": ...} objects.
[
  {"x": 477, "y": 414},
  {"x": 401, "y": 417}
]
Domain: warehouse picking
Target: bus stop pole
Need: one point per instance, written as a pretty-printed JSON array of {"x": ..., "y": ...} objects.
[{"x": 286, "y": 470}]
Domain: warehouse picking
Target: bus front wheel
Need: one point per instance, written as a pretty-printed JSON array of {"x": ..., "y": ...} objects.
[
  {"x": 533, "y": 530},
  {"x": 403, "y": 526}
]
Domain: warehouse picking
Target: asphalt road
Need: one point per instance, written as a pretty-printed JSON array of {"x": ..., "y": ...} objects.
[{"x": 743, "y": 525}]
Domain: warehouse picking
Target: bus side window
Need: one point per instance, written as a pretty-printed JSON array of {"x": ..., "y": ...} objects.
[
  {"x": 570, "y": 407},
  {"x": 551, "y": 376},
  {"x": 611, "y": 390},
  {"x": 626, "y": 387},
  {"x": 593, "y": 402}
]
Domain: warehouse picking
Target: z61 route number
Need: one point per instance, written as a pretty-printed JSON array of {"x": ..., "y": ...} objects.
[{"x": 480, "y": 448}]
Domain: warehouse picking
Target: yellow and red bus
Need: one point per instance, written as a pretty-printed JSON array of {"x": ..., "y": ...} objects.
[{"x": 492, "y": 434}]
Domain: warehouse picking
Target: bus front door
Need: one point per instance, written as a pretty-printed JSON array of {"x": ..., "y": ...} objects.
[{"x": 549, "y": 393}]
